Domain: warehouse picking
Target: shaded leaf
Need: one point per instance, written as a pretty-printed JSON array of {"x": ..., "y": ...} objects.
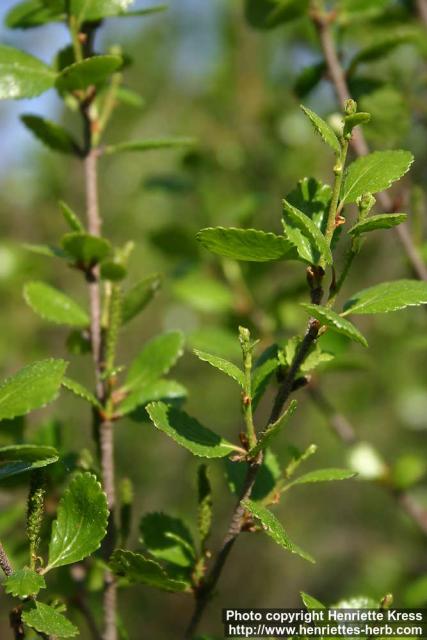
[
  {"x": 20, "y": 458},
  {"x": 138, "y": 569},
  {"x": 156, "y": 359},
  {"x": 165, "y": 390},
  {"x": 309, "y": 78},
  {"x": 388, "y": 296},
  {"x": 86, "y": 249},
  {"x": 223, "y": 365},
  {"x": 313, "y": 198},
  {"x": 331, "y": 319},
  {"x": 139, "y": 295},
  {"x": 81, "y": 522},
  {"x": 375, "y": 172},
  {"x": 51, "y": 134},
  {"x": 203, "y": 293},
  {"x": 379, "y": 49},
  {"x": 310, "y": 602},
  {"x": 266, "y": 14},
  {"x": 244, "y": 244},
  {"x": 53, "y": 305},
  {"x": 150, "y": 145},
  {"x": 47, "y": 620},
  {"x": 22, "y": 75},
  {"x": 304, "y": 234},
  {"x": 34, "y": 13},
  {"x": 323, "y": 129},
  {"x": 167, "y": 538},
  {"x": 381, "y": 221},
  {"x": 188, "y": 432},
  {"x": 91, "y": 71},
  {"x": 265, "y": 438},
  {"x": 266, "y": 479},
  {"x": 31, "y": 388},
  {"x": 24, "y": 583},
  {"x": 273, "y": 528}
]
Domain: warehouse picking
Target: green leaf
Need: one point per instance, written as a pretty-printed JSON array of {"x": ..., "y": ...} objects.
[
  {"x": 273, "y": 528},
  {"x": 91, "y": 71},
  {"x": 24, "y": 583},
  {"x": 310, "y": 602},
  {"x": 273, "y": 430},
  {"x": 380, "y": 221},
  {"x": 48, "y": 250},
  {"x": 388, "y": 296},
  {"x": 20, "y": 458},
  {"x": 144, "y": 12},
  {"x": 34, "y": 13},
  {"x": 203, "y": 293},
  {"x": 323, "y": 129},
  {"x": 80, "y": 391},
  {"x": 309, "y": 78},
  {"x": 138, "y": 569},
  {"x": 53, "y": 305},
  {"x": 113, "y": 270},
  {"x": 81, "y": 522},
  {"x": 354, "y": 120},
  {"x": 375, "y": 172},
  {"x": 313, "y": 198},
  {"x": 244, "y": 244},
  {"x": 155, "y": 360},
  {"x": 267, "y": 477},
  {"x": 265, "y": 367},
  {"x": 379, "y": 49},
  {"x": 324, "y": 475},
  {"x": 150, "y": 145},
  {"x": 139, "y": 295},
  {"x": 51, "y": 134},
  {"x": 71, "y": 218},
  {"x": 188, "y": 432},
  {"x": 331, "y": 319},
  {"x": 87, "y": 250},
  {"x": 304, "y": 234},
  {"x": 22, "y": 75},
  {"x": 223, "y": 365},
  {"x": 168, "y": 539},
  {"x": 31, "y": 388},
  {"x": 92, "y": 10},
  {"x": 165, "y": 390},
  {"x": 266, "y": 14},
  {"x": 47, "y": 620}
]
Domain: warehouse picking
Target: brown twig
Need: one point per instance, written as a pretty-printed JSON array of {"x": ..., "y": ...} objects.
[
  {"x": 347, "y": 434},
  {"x": 422, "y": 10},
  {"x": 204, "y": 593},
  {"x": 336, "y": 74},
  {"x": 103, "y": 427}
]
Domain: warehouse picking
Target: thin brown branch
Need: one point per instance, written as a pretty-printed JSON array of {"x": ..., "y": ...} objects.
[
  {"x": 103, "y": 427},
  {"x": 347, "y": 434},
  {"x": 204, "y": 593},
  {"x": 5, "y": 563},
  {"x": 338, "y": 79},
  {"x": 422, "y": 10}
]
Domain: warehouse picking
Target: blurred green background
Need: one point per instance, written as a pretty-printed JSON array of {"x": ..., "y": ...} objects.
[{"x": 203, "y": 72}]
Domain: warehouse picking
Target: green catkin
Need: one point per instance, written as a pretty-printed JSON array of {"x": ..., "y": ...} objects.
[{"x": 35, "y": 511}]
